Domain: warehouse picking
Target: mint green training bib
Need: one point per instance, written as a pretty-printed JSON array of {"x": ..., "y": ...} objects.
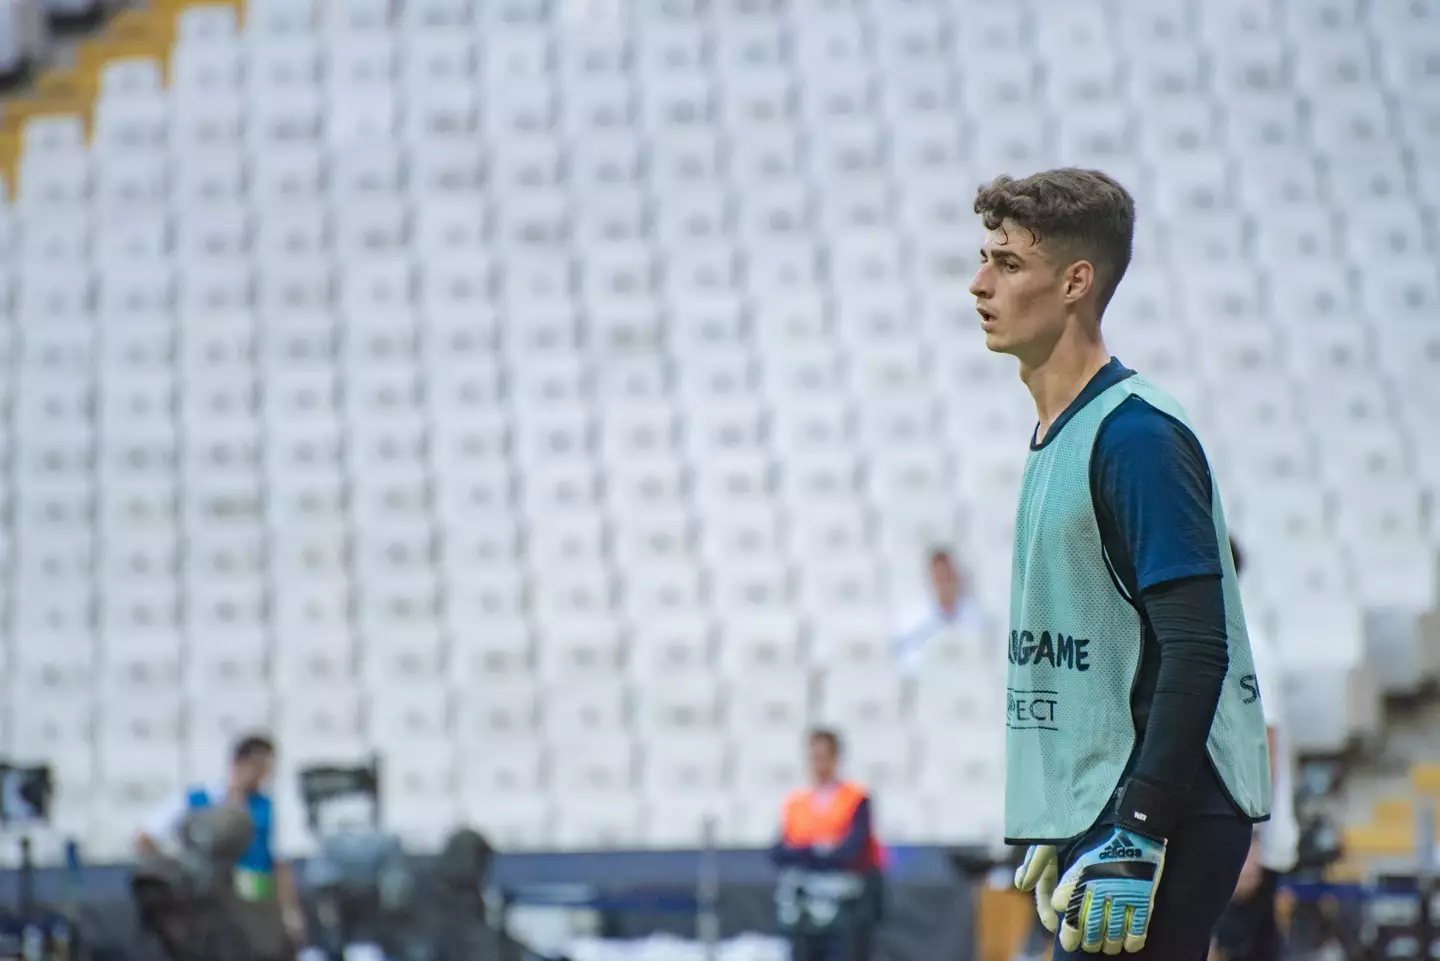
[{"x": 1075, "y": 646}]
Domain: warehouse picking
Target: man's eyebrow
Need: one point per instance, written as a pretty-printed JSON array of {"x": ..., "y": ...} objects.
[{"x": 997, "y": 254}]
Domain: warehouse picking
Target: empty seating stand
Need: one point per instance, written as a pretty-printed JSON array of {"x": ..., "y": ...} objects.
[{"x": 562, "y": 396}]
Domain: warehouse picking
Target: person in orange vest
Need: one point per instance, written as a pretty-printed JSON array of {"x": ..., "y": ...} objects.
[{"x": 828, "y": 844}]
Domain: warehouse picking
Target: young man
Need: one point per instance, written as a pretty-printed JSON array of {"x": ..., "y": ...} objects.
[
  {"x": 826, "y": 828},
  {"x": 948, "y": 607},
  {"x": 259, "y": 876},
  {"x": 1136, "y": 760},
  {"x": 1248, "y": 930}
]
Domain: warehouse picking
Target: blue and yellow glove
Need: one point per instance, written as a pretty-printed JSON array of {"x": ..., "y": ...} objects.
[
  {"x": 1108, "y": 895},
  {"x": 1038, "y": 873}
]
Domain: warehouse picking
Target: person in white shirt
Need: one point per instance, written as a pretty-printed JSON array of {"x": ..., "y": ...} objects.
[
  {"x": 948, "y": 609},
  {"x": 1248, "y": 931},
  {"x": 259, "y": 875},
  {"x": 947, "y": 614}
]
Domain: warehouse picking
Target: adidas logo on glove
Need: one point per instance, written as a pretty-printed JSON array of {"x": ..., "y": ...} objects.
[{"x": 1120, "y": 848}]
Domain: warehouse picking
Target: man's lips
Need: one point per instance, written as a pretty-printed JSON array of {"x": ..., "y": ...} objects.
[{"x": 987, "y": 319}]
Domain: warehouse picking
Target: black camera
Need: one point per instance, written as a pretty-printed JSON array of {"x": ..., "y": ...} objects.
[
  {"x": 188, "y": 900},
  {"x": 25, "y": 794}
]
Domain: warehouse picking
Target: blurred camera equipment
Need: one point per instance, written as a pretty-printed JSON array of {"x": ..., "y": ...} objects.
[
  {"x": 188, "y": 900},
  {"x": 34, "y": 931},
  {"x": 360, "y": 881}
]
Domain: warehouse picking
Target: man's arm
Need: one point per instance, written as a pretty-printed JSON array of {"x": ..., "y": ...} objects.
[
  {"x": 784, "y": 855},
  {"x": 1271, "y": 700},
  {"x": 1272, "y": 742},
  {"x": 845, "y": 854},
  {"x": 1188, "y": 617},
  {"x": 287, "y": 892},
  {"x": 163, "y": 825},
  {"x": 1152, "y": 484}
]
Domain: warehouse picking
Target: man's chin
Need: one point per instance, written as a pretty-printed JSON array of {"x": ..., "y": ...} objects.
[{"x": 995, "y": 342}]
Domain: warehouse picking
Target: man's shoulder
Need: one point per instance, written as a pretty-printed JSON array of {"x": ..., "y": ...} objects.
[
  {"x": 1139, "y": 431},
  {"x": 214, "y": 791},
  {"x": 1146, "y": 416},
  {"x": 914, "y": 613}
]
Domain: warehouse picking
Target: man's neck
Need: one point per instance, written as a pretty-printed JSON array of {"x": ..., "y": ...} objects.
[{"x": 1058, "y": 379}]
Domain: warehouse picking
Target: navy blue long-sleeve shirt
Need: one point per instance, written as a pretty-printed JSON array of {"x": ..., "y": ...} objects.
[{"x": 842, "y": 857}]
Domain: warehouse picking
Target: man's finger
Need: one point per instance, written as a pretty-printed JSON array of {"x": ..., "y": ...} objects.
[
  {"x": 1096, "y": 916},
  {"x": 1045, "y": 896},
  {"x": 1038, "y": 859},
  {"x": 1025, "y": 878},
  {"x": 1139, "y": 928},
  {"x": 1075, "y": 906},
  {"x": 1115, "y": 926}
]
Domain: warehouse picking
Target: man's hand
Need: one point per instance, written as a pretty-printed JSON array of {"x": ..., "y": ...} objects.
[
  {"x": 294, "y": 920},
  {"x": 146, "y": 845},
  {"x": 1038, "y": 873},
  {"x": 1108, "y": 894}
]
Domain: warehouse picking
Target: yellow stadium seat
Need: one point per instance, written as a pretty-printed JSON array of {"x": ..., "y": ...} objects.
[
  {"x": 94, "y": 54},
  {"x": 147, "y": 34},
  {"x": 1005, "y": 919},
  {"x": 1379, "y": 840},
  {"x": 21, "y": 109},
  {"x": 75, "y": 84},
  {"x": 1425, "y": 778},
  {"x": 147, "y": 25},
  {"x": 9, "y": 155},
  {"x": 173, "y": 7},
  {"x": 1394, "y": 810},
  {"x": 1398, "y": 810},
  {"x": 1346, "y": 871}
]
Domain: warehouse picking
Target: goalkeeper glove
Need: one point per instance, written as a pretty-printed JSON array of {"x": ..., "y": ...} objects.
[
  {"x": 1037, "y": 873},
  {"x": 1108, "y": 895}
]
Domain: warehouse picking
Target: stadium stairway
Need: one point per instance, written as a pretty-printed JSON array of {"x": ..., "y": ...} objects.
[
  {"x": 70, "y": 83},
  {"x": 1388, "y": 788}
]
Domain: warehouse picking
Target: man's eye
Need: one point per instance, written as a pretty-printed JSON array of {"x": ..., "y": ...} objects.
[{"x": 1011, "y": 267}]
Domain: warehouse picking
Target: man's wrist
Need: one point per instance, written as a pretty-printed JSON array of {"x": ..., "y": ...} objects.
[{"x": 1147, "y": 808}]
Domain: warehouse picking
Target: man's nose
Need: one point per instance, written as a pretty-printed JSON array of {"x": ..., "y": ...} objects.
[{"x": 980, "y": 286}]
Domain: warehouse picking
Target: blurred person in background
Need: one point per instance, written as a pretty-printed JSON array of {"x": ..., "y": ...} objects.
[
  {"x": 259, "y": 875},
  {"x": 1136, "y": 758},
  {"x": 948, "y": 606},
  {"x": 1036, "y": 946},
  {"x": 1248, "y": 930},
  {"x": 826, "y": 829}
]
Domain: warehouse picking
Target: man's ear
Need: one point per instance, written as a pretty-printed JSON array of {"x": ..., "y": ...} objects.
[{"x": 1079, "y": 281}]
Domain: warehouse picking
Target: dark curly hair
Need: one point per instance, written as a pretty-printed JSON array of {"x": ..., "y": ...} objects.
[{"x": 1077, "y": 214}]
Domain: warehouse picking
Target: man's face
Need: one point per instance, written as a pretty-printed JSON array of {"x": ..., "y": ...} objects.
[
  {"x": 252, "y": 773},
  {"x": 1019, "y": 294},
  {"x": 822, "y": 760},
  {"x": 944, "y": 579}
]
